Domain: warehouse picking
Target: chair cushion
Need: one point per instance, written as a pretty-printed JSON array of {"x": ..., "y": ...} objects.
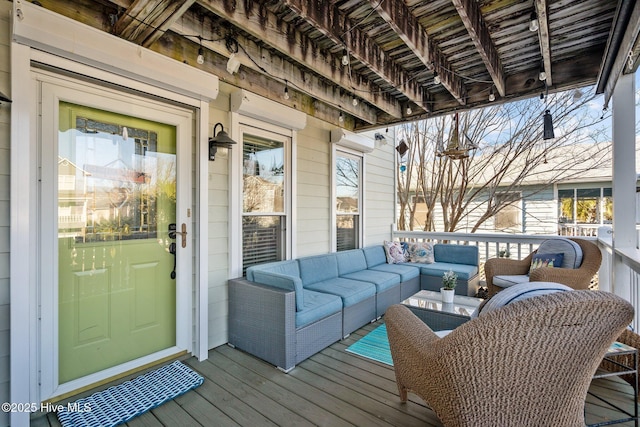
[
  {"x": 395, "y": 252},
  {"x": 282, "y": 281},
  {"x": 317, "y": 306},
  {"x": 546, "y": 260},
  {"x": 456, "y": 254},
  {"x": 508, "y": 281},
  {"x": 571, "y": 250},
  {"x": 518, "y": 292},
  {"x": 421, "y": 252}
]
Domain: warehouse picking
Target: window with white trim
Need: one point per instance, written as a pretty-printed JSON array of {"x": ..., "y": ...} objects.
[{"x": 348, "y": 200}]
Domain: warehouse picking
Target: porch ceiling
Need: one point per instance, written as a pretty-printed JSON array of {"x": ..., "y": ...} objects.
[{"x": 395, "y": 48}]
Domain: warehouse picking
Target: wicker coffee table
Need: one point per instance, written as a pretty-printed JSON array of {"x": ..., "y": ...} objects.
[{"x": 428, "y": 306}]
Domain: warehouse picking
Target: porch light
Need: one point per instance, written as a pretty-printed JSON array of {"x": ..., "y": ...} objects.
[
  {"x": 548, "y": 126},
  {"x": 221, "y": 139}
]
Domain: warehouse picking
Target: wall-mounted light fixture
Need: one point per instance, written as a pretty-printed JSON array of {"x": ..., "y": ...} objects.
[{"x": 220, "y": 139}]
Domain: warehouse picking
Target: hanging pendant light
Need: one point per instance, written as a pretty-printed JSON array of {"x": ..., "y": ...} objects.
[{"x": 548, "y": 126}]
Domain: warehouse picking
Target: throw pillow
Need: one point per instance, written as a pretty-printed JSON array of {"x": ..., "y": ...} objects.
[
  {"x": 395, "y": 254},
  {"x": 546, "y": 260},
  {"x": 421, "y": 252}
]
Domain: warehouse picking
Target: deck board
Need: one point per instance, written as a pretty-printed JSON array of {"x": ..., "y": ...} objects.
[{"x": 331, "y": 388}]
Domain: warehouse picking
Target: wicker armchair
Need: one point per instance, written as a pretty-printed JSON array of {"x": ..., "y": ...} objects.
[
  {"x": 528, "y": 363},
  {"x": 578, "y": 278}
]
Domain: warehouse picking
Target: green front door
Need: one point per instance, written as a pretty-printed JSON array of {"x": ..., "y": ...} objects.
[{"x": 116, "y": 199}]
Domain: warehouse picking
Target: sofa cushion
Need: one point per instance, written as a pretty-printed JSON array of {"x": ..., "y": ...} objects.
[
  {"x": 318, "y": 268},
  {"x": 571, "y": 250},
  {"x": 519, "y": 292},
  {"x": 351, "y": 261},
  {"x": 382, "y": 280},
  {"x": 395, "y": 252},
  {"x": 507, "y": 281},
  {"x": 351, "y": 291},
  {"x": 456, "y": 254},
  {"x": 421, "y": 252},
  {"x": 406, "y": 271},
  {"x": 317, "y": 306},
  {"x": 464, "y": 271},
  {"x": 374, "y": 255}
]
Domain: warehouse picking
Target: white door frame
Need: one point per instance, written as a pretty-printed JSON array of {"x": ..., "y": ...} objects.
[{"x": 36, "y": 33}]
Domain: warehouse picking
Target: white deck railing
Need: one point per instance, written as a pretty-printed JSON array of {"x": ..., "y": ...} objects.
[{"x": 619, "y": 274}]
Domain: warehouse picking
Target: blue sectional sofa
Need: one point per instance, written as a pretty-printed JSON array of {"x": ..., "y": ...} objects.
[{"x": 286, "y": 311}]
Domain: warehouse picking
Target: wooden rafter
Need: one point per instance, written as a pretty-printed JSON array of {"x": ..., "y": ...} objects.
[
  {"x": 291, "y": 43},
  {"x": 474, "y": 23},
  {"x": 145, "y": 21},
  {"x": 543, "y": 35},
  {"x": 274, "y": 66},
  {"x": 327, "y": 19},
  {"x": 406, "y": 25}
]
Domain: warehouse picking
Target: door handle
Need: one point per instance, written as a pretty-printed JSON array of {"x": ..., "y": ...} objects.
[{"x": 183, "y": 233}]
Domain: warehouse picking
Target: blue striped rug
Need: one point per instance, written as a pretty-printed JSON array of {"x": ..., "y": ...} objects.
[
  {"x": 121, "y": 403},
  {"x": 374, "y": 345}
]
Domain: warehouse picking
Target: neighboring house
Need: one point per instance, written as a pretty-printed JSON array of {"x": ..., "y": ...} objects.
[{"x": 570, "y": 205}]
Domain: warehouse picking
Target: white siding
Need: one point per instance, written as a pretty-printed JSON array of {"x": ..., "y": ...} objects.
[
  {"x": 218, "y": 259},
  {"x": 379, "y": 195},
  {"x": 313, "y": 189},
  {"x": 540, "y": 211},
  {"x": 5, "y": 7}
]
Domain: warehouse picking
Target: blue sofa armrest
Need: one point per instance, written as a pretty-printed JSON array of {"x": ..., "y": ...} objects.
[{"x": 282, "y": 281}]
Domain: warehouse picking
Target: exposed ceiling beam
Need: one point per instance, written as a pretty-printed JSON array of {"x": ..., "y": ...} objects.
[
  {"x": 473, "y": 21},
  {"x": 328, "y": 19},
  {"x": 406, "y": 25},
  {"x": 274, "y": 66},
  {"x": 145, "y": 21},
  {"x": 285, "y": 39},
  {"x": 543, "y": 36}
]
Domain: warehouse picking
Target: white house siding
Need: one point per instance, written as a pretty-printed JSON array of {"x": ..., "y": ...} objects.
[
  {"x": 313, "y": 189},
  {"x": 379, "y": 193},
  {"x": 540, "y": 211},
  {"x": 5, "y": 110},
  {"x": 218, "y": 238}
]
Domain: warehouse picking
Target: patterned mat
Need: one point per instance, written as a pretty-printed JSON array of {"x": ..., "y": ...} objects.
[
  {"x": 119, "y": 404},
  {"x": 374, "y": 345}
]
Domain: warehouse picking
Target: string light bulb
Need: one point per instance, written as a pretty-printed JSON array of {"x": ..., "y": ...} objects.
[
  {"x": 355, "y": 101},
  {"x": 533, "y": 23},
  {"x": 286, "y": 91},
  {"x": 345, "y": 58},
  {"x": 543, "y": 75},
  {"x": 492, "y": 96},
  {"x": 436, "y": 78},
  {"x": 409, "y": 111},
  {"x": 341, "y": 118},
  {"x": 200, "y": 59}
]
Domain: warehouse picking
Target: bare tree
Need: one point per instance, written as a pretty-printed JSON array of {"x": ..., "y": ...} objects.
[{"x": 495, "y": 151}]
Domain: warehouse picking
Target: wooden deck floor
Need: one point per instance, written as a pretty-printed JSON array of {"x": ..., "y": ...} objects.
[{"x": 332, "y": 388}]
